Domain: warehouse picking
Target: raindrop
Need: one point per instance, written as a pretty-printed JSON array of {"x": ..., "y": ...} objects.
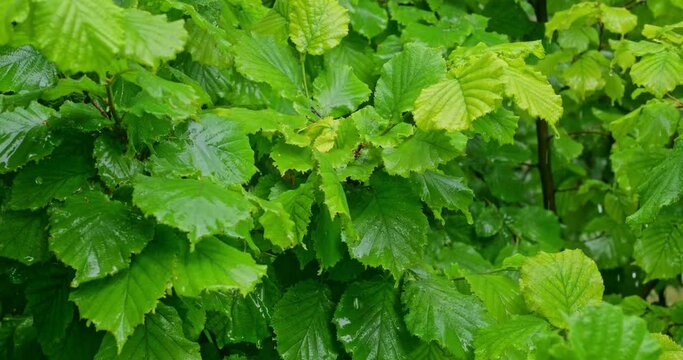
[
  {"x": 356, "y": 303},
  {"x": 39, "y": 180}
]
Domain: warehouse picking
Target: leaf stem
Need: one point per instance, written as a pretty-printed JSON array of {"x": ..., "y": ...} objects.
[
  {"x": 110, "y": 100},
  {"x": 302, "y": 60}
]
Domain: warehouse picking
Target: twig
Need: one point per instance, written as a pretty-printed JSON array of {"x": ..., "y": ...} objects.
[{"x": 110, "y": 100}]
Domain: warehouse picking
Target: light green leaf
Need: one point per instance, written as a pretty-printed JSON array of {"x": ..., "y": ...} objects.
[
  {"x": 302, "y": 323},
  {"x": 262, "y": 58},
  {"x": 339, "y": 91},
  {"x": 670, "y": 349},
  {"x": 216, "y": 266},
  {"x": 585, "y": 74},
  {"x": 443, "y": 191},
  {"x": 24, "y": 136},
  {"x": 437, "y": 311},
  {"x": 78, "y": 35},
  {"x": 532, "y": 92},
  {"x": 564, "y": 19},
  {"x": 332, "y": 188},
  {"x": 617, "y": 19},
  {"x": 60, "y": 175},
  {"x": 659, "y": 249},
  {"x": 23, "y": 236},
  {"x": 25, "y": 69},
  {"x": 658, "y": 73},
  {"x": 558, "y": 285},
  {"x": 213, "y": 147},
  {"x": 499, "y": 293},
  {"x": 114, "y": 166},
  {"x": 404, "y": 76},
  {"x": 358, "y": 55},
  {"x": 368, "y": 18},
  {"x": 316, "y": 26},
  {"x": 424, "y": 151},
  {"x": 452, "y": 104},
  {"x": 291, "y": 157},
  {"x": 514, "y": 337},
  {"x": 12, "y": 11},
  {"x": 150, "y": 39},
  {"x": 391, "y": 226},
  {"x": 661, "y": 187},
  {"x": 198, "y": 207},
  {"x": 499, "y": 126},
  {"x": 95, "y": 235},
  {"x": 369, "y": 323},
  {"x": 160, "y": 338},
  {"x": 118, "y": 303},
  {"x": 604, "y": 332}
]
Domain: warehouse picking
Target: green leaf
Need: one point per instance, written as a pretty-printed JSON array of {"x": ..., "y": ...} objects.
[
  {"x": 517, "y": 336},
  {"x": 199, "y": 207},
  {"x": 368, "y": 18},
  {"x": 316, "y": 26},
  {"x": 81, "y": 234},
  {"x": 48, "y": 300},
  {"x": 661, "y": 187},
  {"x": 82, "y": 117},
  {"x": 369, "y": 323},
  {"x": 213, "y": 147},
  {"x": 659, "y": 249},
  {"x": 391, "y": 226},
  {"x": 430, "y": 351},
  {"x": 160, "y": 338},
  {"x": 326, "y": 237},
  {"x": 437, "y": 311},
  {"x": 424, "y": 151},
  {"x": 24, "y": 136},
  {"x": 58, "y": 176},
  {"x": 296, "y": 206},
  {"x": 302, "y": 322},
  {"x": 536, "y": 225},
  {"x": 150, "y": 39},
  {"x": 558, "y": 285},
  {"x": 25, "y": 69},
  {"x": 499, "y": 126},
  {"x": 216, "y": 266},
  {"x": 234, "y": 318},
  {"x": 532, "y": 92},
  {"x": 604, "y": 332},
  {"x": 404, "y": 76},
  {"x": 118, "y": 303},
  {"x": 12, "y": 11},
  {"x": 339, "y": 91},
  {"x": 443, "y": 191},
  {"x": 78, "y": 35},
  {"x": 499, "y": 293},
  {"x": 114, "y": 166},
  {"x": 658, "y": 73},
  {"x": 23, "y": 236},
  {"x": 262, "y": 58},
  {"x": 452, "y": 104},
  {"x": 161, "y": 97}
]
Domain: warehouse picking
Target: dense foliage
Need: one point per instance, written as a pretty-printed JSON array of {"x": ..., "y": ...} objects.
[{"x": 321, "y": 179}]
